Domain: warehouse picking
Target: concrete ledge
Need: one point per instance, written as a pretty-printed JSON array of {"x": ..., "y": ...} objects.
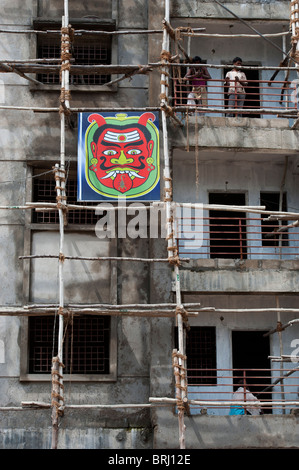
[
  {"x": 229, "y": 275},
  {"x": 236, "y": 133},
  {"x": 227, "y": 432}
]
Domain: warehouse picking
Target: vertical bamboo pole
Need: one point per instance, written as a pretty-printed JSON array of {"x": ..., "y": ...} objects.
[
  {"x": 179, "y": 400},
  {"x": 295, "y": 26},
  {"x": 170, "y": 217},
  {"x": 57, "y": 369},
  {"x": 280, "y": 350}
]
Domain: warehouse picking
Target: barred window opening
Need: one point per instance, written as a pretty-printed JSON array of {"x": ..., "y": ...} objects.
[{"x": 86, "y": 345}]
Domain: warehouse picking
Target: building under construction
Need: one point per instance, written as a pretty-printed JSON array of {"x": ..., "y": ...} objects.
[{"x": 130, "y": 318}]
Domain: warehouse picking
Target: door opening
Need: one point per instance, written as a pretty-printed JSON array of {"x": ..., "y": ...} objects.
[
  {"x": 228, "y": 228},
  {"x": 252, "y": 90},
  {"x": 250, "y": 360}
]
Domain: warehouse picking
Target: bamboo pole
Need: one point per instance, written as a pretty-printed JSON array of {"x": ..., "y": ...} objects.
[
  {"x": 158, "y": 401},
  {"x": 94, "y": 311},
  {"x": 230, "y": 36},
  {"x": 171, "y": 241},
  {"x": 123, "y": 310},
  {"x": 120, "y": 306},
  {"x": 104, "y": 258},
  {"x": 31, "y": 67},
  {"x": 61, "y": 199},
  {"x": 180, "y": 109},
  {"x": 214, "y": 403}
]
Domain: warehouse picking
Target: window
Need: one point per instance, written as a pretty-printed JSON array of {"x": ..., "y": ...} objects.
[
  {"x": 44, "y": 191},
  {"x": 86, "y": 345},
  {"x": 228, "y": 229},
  {"x": 271, "y": 202},
  {"x": 201, "y": 355},
  {"x": 86, "y": 49}
]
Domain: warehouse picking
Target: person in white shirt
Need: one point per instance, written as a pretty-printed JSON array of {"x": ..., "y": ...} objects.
[
  {"x": 243, "y": 394},
  {"x": 236, "y": 80}
]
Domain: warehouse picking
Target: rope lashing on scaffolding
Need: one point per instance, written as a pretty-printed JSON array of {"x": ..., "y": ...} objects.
[
  {"x": 279, "y": 326},
  {"x": 180, "y": 373},
  {"x": 67, "y": 37},
  {"x": 293, "y": 20},
  {"x": 181, "y": 311},
  {"x": 59, "y": 175},
  {"x": 56, "y": 396},
  {"x": 168, "y": 190}
]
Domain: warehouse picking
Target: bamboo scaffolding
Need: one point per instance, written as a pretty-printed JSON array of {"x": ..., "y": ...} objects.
[
  {"x": 171, "y": 240},
  {"x": 174, "y": 310},
  {"x": 57, "y": 369}
]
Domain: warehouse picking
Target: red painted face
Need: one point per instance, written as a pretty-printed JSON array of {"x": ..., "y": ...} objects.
[{"x": 122, "y": 158}]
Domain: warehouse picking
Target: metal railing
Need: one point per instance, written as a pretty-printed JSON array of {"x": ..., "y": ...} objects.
[
  {"x": 262, "y": 97},
  {"x": 259, "y": 391},
  {"x": 236, "y": 237}
]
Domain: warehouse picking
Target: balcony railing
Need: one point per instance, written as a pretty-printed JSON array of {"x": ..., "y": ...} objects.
[
  {"x": 278, "y": 99},
  {"x": 236, "y": 237},
  {"x": 275, "y": 390}
]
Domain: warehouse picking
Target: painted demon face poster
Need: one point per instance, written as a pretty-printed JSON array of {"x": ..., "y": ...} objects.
[{"x": 118, "y": 156}]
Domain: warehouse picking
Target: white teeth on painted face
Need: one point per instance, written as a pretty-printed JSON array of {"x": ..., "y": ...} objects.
[{"x": 112, "y": 174}]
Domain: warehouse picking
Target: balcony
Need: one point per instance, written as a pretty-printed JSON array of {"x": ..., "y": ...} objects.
[
  {"x": 263, "y": 99},
  {"x": 238, "y": 238},
  {"x": 275, "y": 390}
]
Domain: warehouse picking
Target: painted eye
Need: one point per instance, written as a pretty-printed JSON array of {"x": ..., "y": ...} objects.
[
  {"x": 110, "y": 152},
  {"x": 133, "y": 152}
]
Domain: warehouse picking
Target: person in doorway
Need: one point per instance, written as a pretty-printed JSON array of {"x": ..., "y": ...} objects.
[
  {"x": 243, "y": 394},
  {"x": 236, "y": 80},
  {"x": 198, "y": 76}
]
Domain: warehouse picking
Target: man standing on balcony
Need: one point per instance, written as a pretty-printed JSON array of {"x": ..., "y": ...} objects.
[
  {"x": 198, "y": 76},
  {"x": 236, "y": 80}
]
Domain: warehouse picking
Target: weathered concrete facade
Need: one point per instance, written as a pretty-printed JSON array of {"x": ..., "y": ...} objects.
[{"x": 241, "y": 154}]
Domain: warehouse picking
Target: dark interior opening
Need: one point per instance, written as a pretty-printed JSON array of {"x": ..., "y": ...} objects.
[
  {"x": 271, "y": 202},
  {"x": 252, "y": 100},
  {"x": 250, "y": 352}
]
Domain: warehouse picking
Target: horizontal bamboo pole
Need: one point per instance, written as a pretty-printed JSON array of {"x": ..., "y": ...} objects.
[
  {"x": 237, "y": 111},
  {"x": 120, "y": 306},
  {"x": 177, "y": 109},
  {"x": 216, "y": 35},
  {"x": 132, "y": 311},
  {"x": 282, "y": 327},
  {"x": 33, "y": 404},
  {"x": 124, "y": 68},
  {"x": 103, "y": 258},
  {"x": 11, "y": 311},
  {"x": 79, "y": 32},
  {"x": 220, "y": 207},
  {"x": 212, "y": 403}
]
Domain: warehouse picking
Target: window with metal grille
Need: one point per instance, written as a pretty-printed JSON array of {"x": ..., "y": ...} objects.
[
  {"x": 44, "y": 191},
  {"x": 86, "y": 345},
  {"x": 85, "y": 50},
  {"x": 201, "y": 355}
]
